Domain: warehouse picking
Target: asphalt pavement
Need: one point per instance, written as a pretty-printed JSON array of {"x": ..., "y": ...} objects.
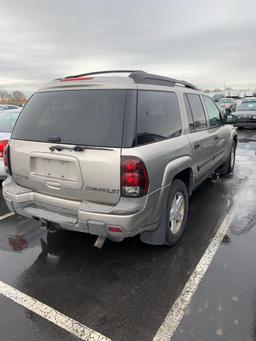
[{"x": 125, "y": 290}]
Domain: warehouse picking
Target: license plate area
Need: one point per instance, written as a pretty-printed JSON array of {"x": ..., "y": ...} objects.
[
  {"x": 54, "y": 169},
  {"x": 61, "y": 169}
]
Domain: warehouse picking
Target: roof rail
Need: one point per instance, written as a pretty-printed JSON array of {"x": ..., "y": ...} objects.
[
  {"x": 142, "y": 77},
  {"x": 102, "y": 72},
  {"x": 149, "y": 78}
]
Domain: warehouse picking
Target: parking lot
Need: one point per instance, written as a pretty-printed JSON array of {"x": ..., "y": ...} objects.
[{"x": 125, "y": 290}]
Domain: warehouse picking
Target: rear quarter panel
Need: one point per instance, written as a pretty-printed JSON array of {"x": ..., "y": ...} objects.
[{"x": 163, "y": 159}]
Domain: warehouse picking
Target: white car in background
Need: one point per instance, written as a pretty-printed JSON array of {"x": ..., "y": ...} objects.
[
  {"x": 7, "y": 121},
  {"x": 8, "y": 107}
]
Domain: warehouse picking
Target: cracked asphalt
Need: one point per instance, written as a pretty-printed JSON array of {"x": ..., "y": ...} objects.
[{"x": 125, "y": 290}]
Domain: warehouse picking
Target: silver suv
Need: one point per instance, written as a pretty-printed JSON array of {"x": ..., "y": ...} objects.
[{"x": 116, "y": 156}]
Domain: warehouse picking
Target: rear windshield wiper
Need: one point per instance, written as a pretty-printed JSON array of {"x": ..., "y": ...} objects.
[{"x": 76, "y": 148}]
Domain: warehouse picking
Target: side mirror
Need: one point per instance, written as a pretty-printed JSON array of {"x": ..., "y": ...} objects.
[{"x": 230, "y": 119}]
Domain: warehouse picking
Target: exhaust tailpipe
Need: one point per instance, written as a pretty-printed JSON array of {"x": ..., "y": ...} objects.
[{"x": 99, "y": 242}]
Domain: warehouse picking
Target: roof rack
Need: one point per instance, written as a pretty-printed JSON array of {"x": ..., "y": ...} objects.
[
  {"x": 102, "y": 72},
  {"x": 142, "y": 77}
]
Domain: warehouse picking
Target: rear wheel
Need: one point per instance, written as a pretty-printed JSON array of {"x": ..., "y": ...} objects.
[
  {"x": 229, "y": 165},
  {"x": 177, "y": 212}
]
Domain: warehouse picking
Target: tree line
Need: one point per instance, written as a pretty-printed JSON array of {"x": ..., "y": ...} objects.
[{"x": 16, "y": 97}]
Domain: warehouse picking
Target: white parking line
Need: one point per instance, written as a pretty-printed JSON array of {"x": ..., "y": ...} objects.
[
  {"x": 6, "y": 215},
  {"x": 177, "y": 311},
  {"x": 50, "y": 314}
]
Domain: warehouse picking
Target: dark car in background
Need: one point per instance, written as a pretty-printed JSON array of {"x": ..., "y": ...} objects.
[
  {"x": 246, "y": 114},
  {"x": 248, "y": 99}
]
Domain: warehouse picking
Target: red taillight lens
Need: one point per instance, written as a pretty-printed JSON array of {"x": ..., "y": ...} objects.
[
  {"x": 3, "y": 143},
  {"x": 115, "y": 229},
  {"x": 134, "y": 177},
  {"x": 72, "y": 79}
]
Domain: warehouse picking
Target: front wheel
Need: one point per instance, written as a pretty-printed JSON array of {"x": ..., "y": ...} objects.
[{"x": 177, "y": 212}]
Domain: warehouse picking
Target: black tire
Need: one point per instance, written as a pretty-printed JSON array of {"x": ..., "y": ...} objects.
[
  {"x": 228, "y": 166},
  {"x": 177, "y": 188}
]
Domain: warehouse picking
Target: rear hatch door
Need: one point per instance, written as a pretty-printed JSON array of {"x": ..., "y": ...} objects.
[{"x": 68, "y": 144}]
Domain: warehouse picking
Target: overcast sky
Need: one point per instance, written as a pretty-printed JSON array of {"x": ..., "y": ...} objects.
[{"x": 207, "y": 42}]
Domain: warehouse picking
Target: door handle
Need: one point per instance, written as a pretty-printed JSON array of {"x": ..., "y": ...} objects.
[
  {"x": 53, "y": 185},
  {"x": 196, "y": 145},
  {"x": 216, "y": 137}
]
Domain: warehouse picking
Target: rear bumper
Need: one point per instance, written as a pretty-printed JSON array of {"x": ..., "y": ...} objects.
[{"x": 130, "y": 215}]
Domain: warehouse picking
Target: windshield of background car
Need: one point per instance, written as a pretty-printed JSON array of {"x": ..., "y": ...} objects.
[
  {"x": 247, "y": 106},
  {"x": 226, "y": 100},
  {"x": 248, "y": 100},
  {"x": 86, "y": 117},
  {"x": 7, "y": 120}
]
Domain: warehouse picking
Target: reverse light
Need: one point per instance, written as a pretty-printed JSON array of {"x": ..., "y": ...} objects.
[{"x": 134, "y": 177}]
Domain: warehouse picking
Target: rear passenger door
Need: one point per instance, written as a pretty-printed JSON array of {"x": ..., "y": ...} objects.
[
  {"x": 201, "y": 139},
  {"x": 219, "y": 131}
]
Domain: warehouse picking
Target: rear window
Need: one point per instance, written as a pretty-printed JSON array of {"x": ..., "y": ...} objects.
[
  {"x": 86, "y": 117},
  {"x": 158, "y": 116},
  {"x": 197, "y": 110}
]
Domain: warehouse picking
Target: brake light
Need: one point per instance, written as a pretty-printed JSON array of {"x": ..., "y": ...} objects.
[
  {"x": 76, "y": 79},
  {"x": 134, "y": 177},
  {"x": 3, "y": 143}
]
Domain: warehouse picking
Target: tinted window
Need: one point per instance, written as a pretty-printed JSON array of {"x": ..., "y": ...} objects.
[
  {"x": 189, "y": 114},
  {"x": 197, "y": 110},
  {"x": 7, "y": 120},
  {"x": 158, "y": 116},
  {"x": 212, "y": 111},
  {"x": 88, "y": 117}
]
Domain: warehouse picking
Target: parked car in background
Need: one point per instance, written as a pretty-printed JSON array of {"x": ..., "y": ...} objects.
[
  {"x": 248, "y": 99},
  {"x": 7, "y": 121},
  {"x": 154, "y": 138},
  {"x": 8, "y": 107},
  {"x": 246, "y": 114},
  {"x": 218, "y": 97},
  {"x": 227, "y": 105}
]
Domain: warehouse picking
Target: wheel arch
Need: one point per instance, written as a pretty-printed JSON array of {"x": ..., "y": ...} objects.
[{"x": 180, "y": 168}]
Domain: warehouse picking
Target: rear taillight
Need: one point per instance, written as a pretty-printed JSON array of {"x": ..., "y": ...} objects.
[
  {"x": 134, "y": 177},
  {"x": 3, "y": 144}
]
